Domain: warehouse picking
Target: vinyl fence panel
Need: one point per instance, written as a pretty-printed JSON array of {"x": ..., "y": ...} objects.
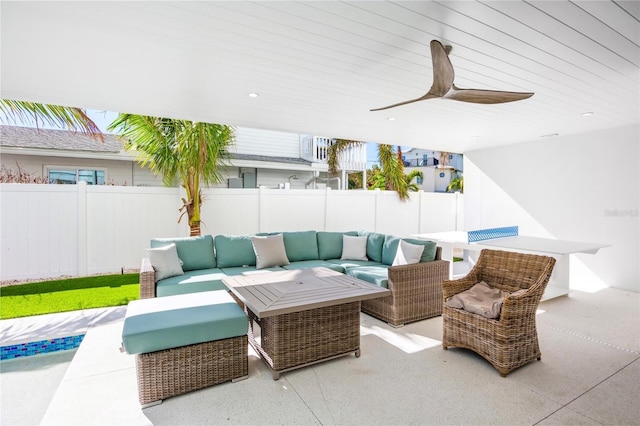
[{"x": 77, "y": 230}]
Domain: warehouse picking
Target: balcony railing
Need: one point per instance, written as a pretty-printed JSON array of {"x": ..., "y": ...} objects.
[{"x": 316, "y": 149}]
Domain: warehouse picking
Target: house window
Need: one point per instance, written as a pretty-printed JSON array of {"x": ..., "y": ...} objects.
[{"x": 73, "y": 176}]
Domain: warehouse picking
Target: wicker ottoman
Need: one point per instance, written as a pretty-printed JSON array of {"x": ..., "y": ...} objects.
[{"x": 185, "y": 342}]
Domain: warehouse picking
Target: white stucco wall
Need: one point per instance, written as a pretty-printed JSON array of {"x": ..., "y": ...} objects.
[{"x": 582, "y": 188}]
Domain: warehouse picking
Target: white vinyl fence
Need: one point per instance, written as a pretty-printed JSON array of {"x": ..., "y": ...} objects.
[{"x": 77, "y": 230}]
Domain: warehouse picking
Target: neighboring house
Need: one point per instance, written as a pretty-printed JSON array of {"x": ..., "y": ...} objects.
[
  {"x": 438, "y": 168},
  {"x": 258, "y": 158},
  {"x": 68, "y": 157}
]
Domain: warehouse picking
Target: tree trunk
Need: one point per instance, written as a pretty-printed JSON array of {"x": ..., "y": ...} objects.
[{"x": 194, "y": 229}]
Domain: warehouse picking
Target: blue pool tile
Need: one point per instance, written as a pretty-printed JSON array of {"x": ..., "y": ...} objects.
[{"x": 40, "y": 347}]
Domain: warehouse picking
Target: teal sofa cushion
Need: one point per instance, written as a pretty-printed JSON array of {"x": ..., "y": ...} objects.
[
  {"x": 354, "y": 263},
  {"x": 152, "y": 325},
  {"x": 194, "y": 252},
  {"x": 378, "y": 275},
  {"x": 234, "y": 251},
  {"x": 330, "y": 244},
  {"x": 306, "y": 264},
  {"x": 375, "y": 242},
  {"x": 239, "y": 270},
  {"x": 191, "y": 282},
  {"x": 301, "y": 245},
  {"x": 389, "y": 249},
  {"x": 429, "y": 252}
]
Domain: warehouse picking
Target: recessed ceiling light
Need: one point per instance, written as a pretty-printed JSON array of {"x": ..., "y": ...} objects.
[
  {"x": 587, "y": 114},
  {"x": 550, "y": 135},
  {"x": 253, "y": 95},
  {"x": 391, "y": 119},
  {"x": 475, "y": 137}
]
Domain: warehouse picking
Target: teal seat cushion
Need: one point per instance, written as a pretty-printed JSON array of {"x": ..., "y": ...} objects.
[
  {"x": 306, "y": 264},
  {"x": 191, "y": 282},
  {"x": 429, "y": 252},
  {"x": 330, "y": 244},
  {"x": 302, "y": 245},
  {"x": 378, "y": 275},
  {"x": 239, "y": 270},
  {"x": 375, "y": 242},
  {"x": 232, "y": 251},
  {"x": 152, "y": 325},
  {"x": 194, "y": 252},
  {"x": 353, "y": 263}
]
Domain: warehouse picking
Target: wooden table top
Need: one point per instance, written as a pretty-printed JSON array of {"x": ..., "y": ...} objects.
[{"x": 275, "y": 293}]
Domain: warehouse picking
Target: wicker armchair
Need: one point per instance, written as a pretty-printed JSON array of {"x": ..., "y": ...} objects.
[
  {"x": 511, "y": 340},
  {"x": 416, "y": 293}
]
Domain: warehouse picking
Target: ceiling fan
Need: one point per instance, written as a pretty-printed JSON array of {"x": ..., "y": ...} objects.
[{"x": 443, "y": 86}]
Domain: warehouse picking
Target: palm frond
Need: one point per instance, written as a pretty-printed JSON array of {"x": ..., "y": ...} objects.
[
  {"x": 71, "y": 118},
  {"x": 333, "y": 153},
  {"x": 393, "y": 170},
  {"x": 191, "y": 151}
]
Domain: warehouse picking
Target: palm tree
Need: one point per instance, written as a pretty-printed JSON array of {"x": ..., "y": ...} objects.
[
  {"x": 71, "y": 118},
  {"x": 412, "y": 186},
  {"x": 393, "y": 170},
  {"x": 457, "y": 183},
  {"x": 389, "y": 177},
  {"x": 178, "y": 149},
  {"x": 334, "y": 150}
]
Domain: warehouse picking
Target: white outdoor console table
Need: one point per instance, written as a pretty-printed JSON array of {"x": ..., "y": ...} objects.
[{"x": 559, "y": 283}]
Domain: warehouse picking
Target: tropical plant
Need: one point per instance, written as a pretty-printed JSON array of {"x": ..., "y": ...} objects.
[
  {"x": 191, "y": 152},
  {"x": 72, "y": 118},
  {"x": 389, "y": 176},
  {"x": 334, "y": 150},
  {"x": 376, "y": 179},
  {"x": 457, "y": 183},
  {"x": 393, "y": 170},
  {"x": 413, "y": 174}
]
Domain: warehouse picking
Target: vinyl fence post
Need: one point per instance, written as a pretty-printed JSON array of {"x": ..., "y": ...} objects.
[{"x": 83, "y": 269}]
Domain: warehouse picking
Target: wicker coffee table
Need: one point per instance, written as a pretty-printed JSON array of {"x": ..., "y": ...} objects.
[{"x": 302, "y": 317}]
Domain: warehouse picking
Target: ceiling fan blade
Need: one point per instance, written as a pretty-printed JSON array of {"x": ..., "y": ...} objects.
[
  {"x": 422, "y": 98},
  {"x": 443, "y": 87},
  {"x": 443, "y": 73},
  {"x": 478, "y": 96}
]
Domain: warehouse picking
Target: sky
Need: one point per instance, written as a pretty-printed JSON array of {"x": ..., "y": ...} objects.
[{"x": 102, "y": 118}]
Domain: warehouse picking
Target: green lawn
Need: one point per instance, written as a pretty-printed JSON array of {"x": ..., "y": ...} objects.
[{"x": 68, "y": 295}]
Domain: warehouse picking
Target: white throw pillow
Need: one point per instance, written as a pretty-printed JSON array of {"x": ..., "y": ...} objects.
[
  {"x": 354, "y": 248},
  {"x": 269, "y": 251},
  {"x": 407, "y": 253},
  {"x": 165, "y": 261}
]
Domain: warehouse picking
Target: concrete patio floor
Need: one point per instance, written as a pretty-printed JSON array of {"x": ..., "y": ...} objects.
[{"x": 589, "y": 374}]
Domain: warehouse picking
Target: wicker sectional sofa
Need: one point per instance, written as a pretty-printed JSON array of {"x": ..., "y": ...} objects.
[{"x": 416, "y": 289}]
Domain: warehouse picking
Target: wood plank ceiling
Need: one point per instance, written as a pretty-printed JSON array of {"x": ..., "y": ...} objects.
[{"x": 319, "y": 67}]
